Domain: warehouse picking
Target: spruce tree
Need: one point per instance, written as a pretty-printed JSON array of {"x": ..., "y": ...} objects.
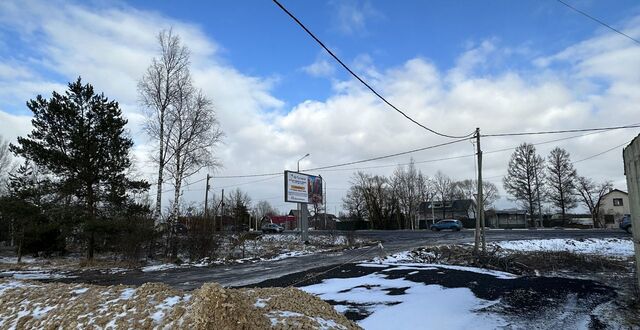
[{"x": 79, "y": 137}]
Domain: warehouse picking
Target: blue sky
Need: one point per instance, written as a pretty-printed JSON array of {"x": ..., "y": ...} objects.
[
  {"x": 259, "y": 39},
  {"x": 452, "y": 65}
]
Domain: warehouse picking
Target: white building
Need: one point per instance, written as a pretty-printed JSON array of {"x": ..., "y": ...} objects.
[{"x": 613, "y": 206}]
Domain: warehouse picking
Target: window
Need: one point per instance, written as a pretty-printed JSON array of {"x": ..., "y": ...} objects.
[{"x": 617, "y": 202}]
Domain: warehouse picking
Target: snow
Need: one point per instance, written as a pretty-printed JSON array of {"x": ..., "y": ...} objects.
[
  {"x": 155, "y": 268},
  {"x": 421, "y": 307},
  {"x": 4, "y": 286},
  {"x": 127, "y": 294},
  {"x": 261, "y": 302},
  {"x": 33, "y": 275},
  {"x": 399, "y": 261},
  {"x": 39, "y": 312},
  {"x": 80, "y": 291},
  {"x": 613, "y": 247},
  {"x": 166, "y": 305},
  {"x": 14, "y": 260}
]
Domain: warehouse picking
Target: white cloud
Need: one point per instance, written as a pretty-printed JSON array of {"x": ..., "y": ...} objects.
[
  {"x": 112, "y": 49},
  {"x": 320, "y": 68},
  {"x": 352, "y": 16}
]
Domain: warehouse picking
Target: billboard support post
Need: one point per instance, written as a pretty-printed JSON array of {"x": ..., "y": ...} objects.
[{"x": 304, "y": 223}]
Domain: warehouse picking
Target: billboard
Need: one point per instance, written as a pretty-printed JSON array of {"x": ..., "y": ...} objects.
[{"x": 302, "y": 188}]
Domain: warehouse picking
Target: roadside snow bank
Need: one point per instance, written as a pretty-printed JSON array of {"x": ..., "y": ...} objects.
[
  {"x": 614, "y": 247},
  {"x": 34, "y": 305}
]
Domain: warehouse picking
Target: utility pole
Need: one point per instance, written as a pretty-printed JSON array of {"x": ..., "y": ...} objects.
[
  {"x": 479, "y": 235},
  {"x": 222, "y": 212},
  {"x": 206, "y": 199}
]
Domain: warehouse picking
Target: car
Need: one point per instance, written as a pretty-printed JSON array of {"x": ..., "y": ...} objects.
[
  {"x": 452, "y": 224},
  {"x": 272, "y": 228},
  {"x": 625, "y": 223}
]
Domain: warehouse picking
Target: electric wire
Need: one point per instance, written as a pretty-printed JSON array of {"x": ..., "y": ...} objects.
[
  {"x": 562, "y": 131},
  {"x": 362, "y": 80},
  {"x": 585, "y": 14}
]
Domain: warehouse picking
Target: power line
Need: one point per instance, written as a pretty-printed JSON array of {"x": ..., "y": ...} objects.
[
  {"x": 361, "y": 80},
  {"x": 581, "y": 160},
  {"x": 563, "y": 131},
  {"x": 344, "y": 164},
  {"x": 461, "y": 156},
  {"x": 601, "y": 153},
  {"x": 387, "y": 156},
  {"x": 599, "y": 21}
]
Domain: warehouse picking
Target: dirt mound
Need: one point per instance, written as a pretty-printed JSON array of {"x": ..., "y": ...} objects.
[{"x": 29, "y": 305}]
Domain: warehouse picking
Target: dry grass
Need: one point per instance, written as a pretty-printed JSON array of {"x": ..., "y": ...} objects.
[{"x": 31, "y": 305}]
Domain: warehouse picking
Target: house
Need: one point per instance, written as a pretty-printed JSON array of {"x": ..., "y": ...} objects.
[
  {"x": 287, "y": 221},
  {"x": 295, "y": 213},
  {"x": 322, "y": 221},
  {"x": 461, "y": 209},
  {"x": 506, "y": 219},
  {"x": 613, "y": 206}
]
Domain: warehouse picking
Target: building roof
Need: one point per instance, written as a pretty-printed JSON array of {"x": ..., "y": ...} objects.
[
  {"x": 461, "y": 205},
  {"x": 618, "y": 190},
  {"x": 510, "y": 211},
  {"x": 295, "y": 212}
]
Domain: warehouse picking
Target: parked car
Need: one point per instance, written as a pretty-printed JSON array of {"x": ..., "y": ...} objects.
[
  {"x": 625, "y": 223},
  {"x": 272, "y": 228},
  {"x": 452, "y": 224}
]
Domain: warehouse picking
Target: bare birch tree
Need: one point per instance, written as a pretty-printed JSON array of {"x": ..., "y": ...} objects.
[
  {"x": 194, "y": 132},
  {"x": 158, "y": 91}
]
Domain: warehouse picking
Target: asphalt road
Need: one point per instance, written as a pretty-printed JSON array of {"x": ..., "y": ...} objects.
[{"x": 393, "y": 241}]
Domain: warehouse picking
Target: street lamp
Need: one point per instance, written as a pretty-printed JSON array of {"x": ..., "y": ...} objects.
[{"x": 303, "y": 157}]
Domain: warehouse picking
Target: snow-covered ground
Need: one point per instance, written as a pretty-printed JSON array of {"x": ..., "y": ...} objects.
[
  {"x": 34, "y": 275},
  {"x": 613, "y": 247},
  {"x": 419, "y": 306}
]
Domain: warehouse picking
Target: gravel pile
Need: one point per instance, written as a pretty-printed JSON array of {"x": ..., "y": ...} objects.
[{"x": 29, "y": 305}]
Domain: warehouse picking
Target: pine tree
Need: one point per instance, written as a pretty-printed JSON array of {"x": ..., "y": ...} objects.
[
  {"x": 79, "y": 137},
  {"x": 561, "y": 178}
]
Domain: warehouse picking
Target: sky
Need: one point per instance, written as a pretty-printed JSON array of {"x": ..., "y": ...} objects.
[{"x": 502, "y": 66}]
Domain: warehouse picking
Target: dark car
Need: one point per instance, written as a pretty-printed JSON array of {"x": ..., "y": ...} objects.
[
  {"x": 272, "y": 228},
  {"x": 452, "y": 224},
  {"x": 625, "y": 223}
]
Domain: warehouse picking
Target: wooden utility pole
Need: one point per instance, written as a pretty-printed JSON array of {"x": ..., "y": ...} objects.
[
  {"x": 479, "y": 234},
  {"x": 206, "y": 199},
  {"x": 222, "y": 212}
]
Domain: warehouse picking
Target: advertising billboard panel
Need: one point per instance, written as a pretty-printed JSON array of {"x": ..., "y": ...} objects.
[{"x": 302, "y": 188}]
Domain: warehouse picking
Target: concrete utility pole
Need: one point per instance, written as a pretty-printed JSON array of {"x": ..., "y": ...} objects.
[
  {"x": 631, "y": 158},
  {"x": 479, "y": 235}
]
